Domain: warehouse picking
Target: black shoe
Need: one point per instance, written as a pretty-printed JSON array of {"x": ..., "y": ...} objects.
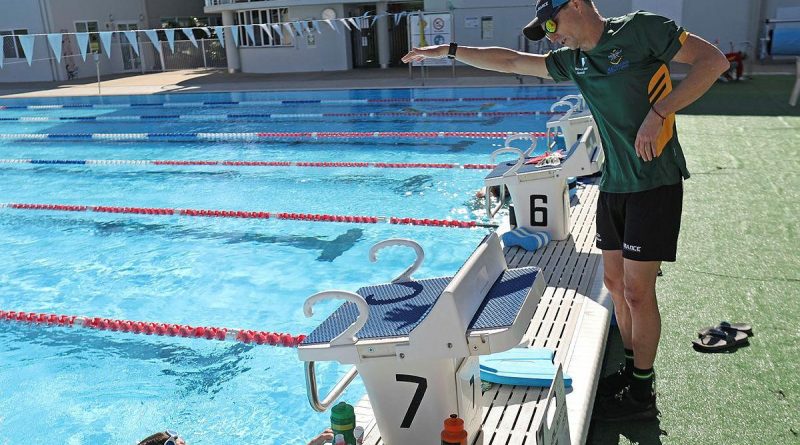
[
  {"x": 624, "y": 406},
  {"x": 612, "y": 384}
]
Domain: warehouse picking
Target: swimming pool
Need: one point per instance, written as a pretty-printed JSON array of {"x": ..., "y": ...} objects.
[{"x": 78, "y": 386}]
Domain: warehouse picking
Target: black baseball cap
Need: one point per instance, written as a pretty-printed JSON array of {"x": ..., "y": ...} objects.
[{"x": 545, "y": 9}]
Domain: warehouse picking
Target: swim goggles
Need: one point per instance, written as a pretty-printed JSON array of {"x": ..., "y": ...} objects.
[{"x": 173, "y": 437}]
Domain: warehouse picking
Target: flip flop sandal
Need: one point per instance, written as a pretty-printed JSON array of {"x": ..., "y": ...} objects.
[
  {"x": 728, "y": 327},
  {"x": 718, "y": 340}
]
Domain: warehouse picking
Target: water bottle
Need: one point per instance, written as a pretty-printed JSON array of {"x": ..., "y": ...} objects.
[
  {"x": 453, "y": 432},
  {"x": 343, "y": 421}
]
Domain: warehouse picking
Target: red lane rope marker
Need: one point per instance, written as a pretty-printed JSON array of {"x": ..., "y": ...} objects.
[
  {"x": 315, "y": 217},
  {"x": 155, "y": 328}
]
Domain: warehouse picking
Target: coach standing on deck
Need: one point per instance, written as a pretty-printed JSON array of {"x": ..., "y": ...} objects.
[{"x": 620, "y": 65}]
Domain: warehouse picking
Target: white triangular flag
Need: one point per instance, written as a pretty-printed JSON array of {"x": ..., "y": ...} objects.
[
  {"x": 267, "y": 30},
  {"x": 220, "y": 31},
  {"x": 83, "y": 43},
  {"x": 289, "y": 28},
  {"x": 346, "y": 24},
  {"x": 206, "y": 30},
  {"x": 188, "y": 32},
  {"x": 153, "y": 36},
  {"x": 170, "y": 38},
  {"x": 131, "y": 36},
  {"x": 277, "y": 28},
  {"x": 331, "y": 24},
  {"x": 55, "y": 45},
  {"x": 353, "y": 22},
  {"x": 27, "y": 46},
  {"x": 105, "y": 37}
]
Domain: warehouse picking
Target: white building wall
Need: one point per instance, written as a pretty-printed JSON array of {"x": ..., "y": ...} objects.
[
  {"x": 108, "y": 13},
  {"x": 25, "y": 15},
  {"x": 331, "y": 53}
]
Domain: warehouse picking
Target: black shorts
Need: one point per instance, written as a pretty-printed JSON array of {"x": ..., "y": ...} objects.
[{"x": 644, "y": 225}]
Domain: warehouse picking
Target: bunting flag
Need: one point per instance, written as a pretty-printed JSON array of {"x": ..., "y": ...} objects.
[
  {"x": 153, "y": 36},
  {"x": 235, "y": 34},
  {"x": 55, "y": 44},
  {"x": 297, "y": 28},
  {"x": 250, "y": 33},
  {"x": 170, "y": 38},
  {"x": 267, "y": 30},
  {"x": 220, "y": 31},
  {"x": 131, "y": 36},
  {"x": 190, "y": 34},
  {"x": 105, "y": 37},
  {"x": 333, "y": 27},
  {"x": 27, "y": 46},
  {"x": 83, "y": 43},
  {"x": 277, "y": 28}
]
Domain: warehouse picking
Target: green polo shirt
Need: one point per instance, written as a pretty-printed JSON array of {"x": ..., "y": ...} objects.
[{"x": 620, "y": 78}]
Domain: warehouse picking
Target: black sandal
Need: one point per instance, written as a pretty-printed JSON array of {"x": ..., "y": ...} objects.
[
  {"x": 717, "y": 340},
  {"x": 728, "y": 327}
]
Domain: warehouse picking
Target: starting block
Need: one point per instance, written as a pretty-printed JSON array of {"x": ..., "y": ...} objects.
[
  {"x": 416, "y": 343},
  {"x": 538, "y": 186}
]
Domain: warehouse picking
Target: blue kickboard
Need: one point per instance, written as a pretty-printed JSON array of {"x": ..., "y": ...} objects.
[
  {"x": 521, "y": 367},
  {"x": 526, "y": 238}
]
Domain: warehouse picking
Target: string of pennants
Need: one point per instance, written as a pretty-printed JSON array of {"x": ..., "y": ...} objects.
[{"x": 297, "y": 27}]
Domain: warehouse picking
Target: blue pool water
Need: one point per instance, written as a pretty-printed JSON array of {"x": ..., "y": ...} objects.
[{"x": 76, "y": 386}]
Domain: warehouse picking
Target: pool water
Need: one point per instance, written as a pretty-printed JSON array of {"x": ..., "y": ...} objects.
[{"x": 77, "y": 386}]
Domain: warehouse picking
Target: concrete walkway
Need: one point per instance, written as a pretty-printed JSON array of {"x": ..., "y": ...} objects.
[{"x": 216, "y": 80}]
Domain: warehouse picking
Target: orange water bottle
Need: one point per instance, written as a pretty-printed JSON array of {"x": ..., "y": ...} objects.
[{"x": 453, "y": 432}]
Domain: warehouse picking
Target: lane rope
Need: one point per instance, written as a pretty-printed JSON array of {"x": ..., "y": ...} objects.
[
  {"x": 259, "y": 103},
  {"x": 229, "y": 163},
  {"x": 268, "y": 116},
  {"x": 155, "y": 328},
  {"x": 258, "y": 136},
  {"x": 247, "y": 214}
]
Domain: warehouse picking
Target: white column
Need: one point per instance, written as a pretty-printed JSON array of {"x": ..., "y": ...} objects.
[
  {"x": 383, "y": 35},
  {"x": 231, "y": 51}
]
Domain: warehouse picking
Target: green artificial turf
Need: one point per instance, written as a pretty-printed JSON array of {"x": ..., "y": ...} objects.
[{"x": 738, "y": 260}]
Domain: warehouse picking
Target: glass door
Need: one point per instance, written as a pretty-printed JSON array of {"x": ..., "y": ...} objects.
[{"x": 130, "y": 61}]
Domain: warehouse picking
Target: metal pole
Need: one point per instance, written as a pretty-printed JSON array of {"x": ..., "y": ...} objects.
[
  {"x": 97, "y": 64},
  {"x": 203, "y": 48}
]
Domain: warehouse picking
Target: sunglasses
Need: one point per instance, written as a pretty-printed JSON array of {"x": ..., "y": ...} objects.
[
  {"x": 173, "y": 437},
  {"x": 550, "y": 26}
]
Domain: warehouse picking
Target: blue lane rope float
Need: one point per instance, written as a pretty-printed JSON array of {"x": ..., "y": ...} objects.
[
  {"x": 260, "y": 103},
  {"x": 230, "y": 163},
  {"x": 257, "y": 136},
  {"x": 268, "y": 116}
]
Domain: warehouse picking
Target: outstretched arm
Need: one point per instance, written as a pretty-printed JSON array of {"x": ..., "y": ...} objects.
[
  {"x": 499, "y": 59},
  {"x": 708, "y": 63}
]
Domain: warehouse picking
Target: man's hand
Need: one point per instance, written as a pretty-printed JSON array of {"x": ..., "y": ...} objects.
[
  {"x": 323, "y": 437},
  {"x": 647, "y": 137},
  {"x": 427, "y": 52}
]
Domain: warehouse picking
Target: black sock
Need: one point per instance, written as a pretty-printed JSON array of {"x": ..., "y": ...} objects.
[
  {"x": 642, "y": 383},
  {"x": 628, "y": 363}
]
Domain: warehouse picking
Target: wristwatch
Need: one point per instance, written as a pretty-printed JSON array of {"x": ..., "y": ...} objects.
[{"x": 451, "y": 53}]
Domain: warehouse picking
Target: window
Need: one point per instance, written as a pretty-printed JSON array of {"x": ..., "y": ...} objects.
[
  {"x": 12, "y": 49},
  {"x": 94, "y": 37},
  {"x": 190, "y": 22},
  {"x": 264, "y": 17}
]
